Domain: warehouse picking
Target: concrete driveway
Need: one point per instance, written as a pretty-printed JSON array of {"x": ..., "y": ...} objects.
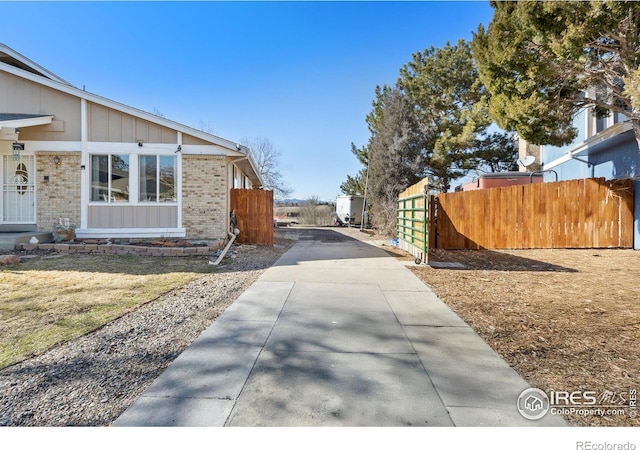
[{"x": 336, "y": 333}]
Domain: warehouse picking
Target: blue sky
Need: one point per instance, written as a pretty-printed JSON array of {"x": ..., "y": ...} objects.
[{"x": 301, "y": 74}]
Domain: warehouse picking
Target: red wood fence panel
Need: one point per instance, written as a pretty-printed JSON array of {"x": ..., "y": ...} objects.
[
  {"x": 587, "y": 213},
  {"x": 254, "y": 214}
]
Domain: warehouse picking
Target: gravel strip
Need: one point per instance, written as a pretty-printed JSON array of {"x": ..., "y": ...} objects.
[{"x": 91, "y": 380}]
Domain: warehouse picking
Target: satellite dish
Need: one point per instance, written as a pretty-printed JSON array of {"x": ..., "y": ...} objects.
[{"x": 526, "y": 161}]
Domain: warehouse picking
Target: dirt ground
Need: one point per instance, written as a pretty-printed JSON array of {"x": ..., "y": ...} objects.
[{"x": 566, "y": 320}]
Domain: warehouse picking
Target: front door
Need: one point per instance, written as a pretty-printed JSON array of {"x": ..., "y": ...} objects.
[{"x": 17, "y": 205}]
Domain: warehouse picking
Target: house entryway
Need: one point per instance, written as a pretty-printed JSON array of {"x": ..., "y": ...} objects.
[{"x": 18, "y": 199}]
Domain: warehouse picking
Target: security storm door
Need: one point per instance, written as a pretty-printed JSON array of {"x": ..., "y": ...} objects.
[{"x": 18, "y": 189}]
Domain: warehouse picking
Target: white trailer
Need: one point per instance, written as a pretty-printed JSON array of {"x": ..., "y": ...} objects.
[{"x": 349, "y": 209}]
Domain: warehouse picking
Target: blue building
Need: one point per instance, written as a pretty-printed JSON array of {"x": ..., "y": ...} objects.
[{"x": 604, "y": 148}]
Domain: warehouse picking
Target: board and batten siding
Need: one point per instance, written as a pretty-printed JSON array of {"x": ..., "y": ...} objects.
[
  {"x": 109, "y": 125},
  {"x": 132, "y": 216},
  {"x": 22, "y": 96}
]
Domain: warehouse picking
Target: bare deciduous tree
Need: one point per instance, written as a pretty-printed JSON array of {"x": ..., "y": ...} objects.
[
  {"x": 267, "y": 157},
  {"x": 157, "y": 112},
  {"x": 384, "y": 213},
  {"x": 207, "y": 126},
  {"x": 315, "y": 212},
  {"x": 309, "y": 211}
]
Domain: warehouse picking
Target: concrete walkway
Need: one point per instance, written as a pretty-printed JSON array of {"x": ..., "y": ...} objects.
[
  {"x": 10, "y": 240},
  {"x": 336, "y": 333}
]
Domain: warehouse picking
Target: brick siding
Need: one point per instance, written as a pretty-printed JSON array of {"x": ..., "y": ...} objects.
[
  {"x": 59, "y": 196},
  {"x": 204, "y": 196}
]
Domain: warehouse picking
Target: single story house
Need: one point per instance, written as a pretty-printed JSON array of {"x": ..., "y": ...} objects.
[{"x": 109, "y": 169}]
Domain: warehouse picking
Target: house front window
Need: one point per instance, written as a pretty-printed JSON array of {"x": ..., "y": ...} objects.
[
  {"x": 157, "y": 177},
  {"x": 110, "y": 178}
]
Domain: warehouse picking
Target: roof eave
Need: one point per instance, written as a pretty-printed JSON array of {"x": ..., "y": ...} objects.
[
  {"x": 33, "y": 65},
  {"x": 248, "y": 165},
  {"x": 26, "y": 122},
  {"x": 590, "y": 144}
]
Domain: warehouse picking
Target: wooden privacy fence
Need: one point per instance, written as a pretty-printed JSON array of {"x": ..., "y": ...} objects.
[
  {"x": 588, "y": 213},
  {"x": 254, "y": 214},
  {"x": 412, "y": 225}
]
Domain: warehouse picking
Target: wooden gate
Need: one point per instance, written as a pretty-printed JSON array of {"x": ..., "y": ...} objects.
[
  {"x": 587, "y": 213},
  {"x": 254, "y": 215},
  {"x": 413, "y": 221}
]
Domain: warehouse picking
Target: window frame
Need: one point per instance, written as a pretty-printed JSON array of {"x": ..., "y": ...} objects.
[
  {"x": 133, "y": 186},
  {"x": 110, "y": 156},
  {"x": 157, "y": 200}
]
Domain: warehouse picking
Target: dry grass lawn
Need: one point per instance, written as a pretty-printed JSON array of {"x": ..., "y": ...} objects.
[
  {"x": 51, "y": 299},
  {"x": 566, "y": 320}
]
